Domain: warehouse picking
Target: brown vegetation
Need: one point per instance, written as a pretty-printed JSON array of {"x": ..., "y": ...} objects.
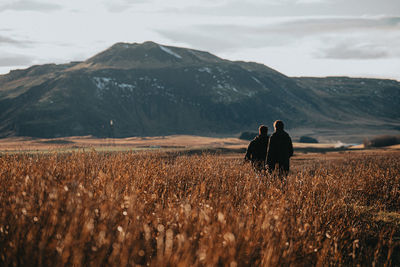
[
  {"x": 165, "y": 209},
  {"x": 183, "y": 142}
]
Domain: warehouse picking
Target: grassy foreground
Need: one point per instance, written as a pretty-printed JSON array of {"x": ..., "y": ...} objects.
[{"x": 162, "y": 209}]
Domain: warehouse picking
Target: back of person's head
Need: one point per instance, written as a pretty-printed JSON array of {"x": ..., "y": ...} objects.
[
  {"x": 278, "y": 125},
  {"x": 263, "y": 130}
]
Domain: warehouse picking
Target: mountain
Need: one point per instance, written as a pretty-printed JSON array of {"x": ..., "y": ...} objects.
[{"x": 150, "y": 89}]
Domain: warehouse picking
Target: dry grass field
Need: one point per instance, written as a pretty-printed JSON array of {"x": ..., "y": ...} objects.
[
  {"x": 173, "y": 142},
  {"x": 174, "y": 209},
  {"x": 76, "y": 143}
]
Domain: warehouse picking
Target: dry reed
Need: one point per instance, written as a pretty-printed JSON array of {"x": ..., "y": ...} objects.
[{"x": 158, "y": 209}]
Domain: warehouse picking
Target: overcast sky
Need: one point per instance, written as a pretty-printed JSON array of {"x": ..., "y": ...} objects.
[{"x": 296, "y": 37}]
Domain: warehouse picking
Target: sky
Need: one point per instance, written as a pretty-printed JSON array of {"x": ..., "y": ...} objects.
[{"x": 357, "y": 38}]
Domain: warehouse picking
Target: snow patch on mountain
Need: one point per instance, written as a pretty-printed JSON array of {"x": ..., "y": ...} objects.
[
  {"x": 101, "y": 82},
  {"x": 206, "y": 69},
  {"x": 257, "y": 80},
  {"x": 169, "y": 51},
  {"x": 126, "y": 90},
  {"x": 105, "y": 83}
]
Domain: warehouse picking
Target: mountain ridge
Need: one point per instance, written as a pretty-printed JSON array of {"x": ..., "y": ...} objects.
[{"x": 153, "y": 89}]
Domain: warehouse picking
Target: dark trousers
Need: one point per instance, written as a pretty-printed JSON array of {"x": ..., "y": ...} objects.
[
  {"x": 259, "y": 165},
  {"x": 281, "y": 167}
]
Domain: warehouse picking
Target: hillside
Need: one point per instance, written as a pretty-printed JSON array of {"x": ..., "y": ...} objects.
[{"x": 150, "y": 89}]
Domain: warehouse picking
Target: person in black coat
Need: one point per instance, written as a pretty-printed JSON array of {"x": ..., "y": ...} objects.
[
  {"x": 280, "y": 150},
  {"x": 257, "y": 149}
]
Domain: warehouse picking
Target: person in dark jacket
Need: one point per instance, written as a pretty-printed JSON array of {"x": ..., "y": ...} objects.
[
  {"x": 280, "y": 150},
  {"x": 257, "y": 149}
]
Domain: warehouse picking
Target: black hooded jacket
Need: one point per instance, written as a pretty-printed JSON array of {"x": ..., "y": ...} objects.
[
  {"x": 257, "y": 149},
  {"x": 280, "y": 148}
]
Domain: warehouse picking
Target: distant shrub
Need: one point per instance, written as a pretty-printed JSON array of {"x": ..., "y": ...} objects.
[
  {"x": 247, "y": 135},
  {"x": 308, "y": 139},
  {"x": 382, "y": 141}
]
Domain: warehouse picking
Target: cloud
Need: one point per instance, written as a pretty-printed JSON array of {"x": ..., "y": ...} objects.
[
  {"x": 275, "y": 33},
  {"x": 15, "y": 60},
  {"x": 10, "y": 41},
  {"x": 310, "y": 1},
  {"x": 200, "y": 39},
  {"x": 355, "y": 51},
  {"x": 30, "y": 5},
  {"x": 279, "y": 8},
  {"x": 117, "y": 6},
  {"x": 317, "y": 25},
  {"x": 369, "y": 46},
  {"x": 6, "y": 40}
]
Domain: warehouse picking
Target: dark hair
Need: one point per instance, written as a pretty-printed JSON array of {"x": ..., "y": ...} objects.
[
  {"x": 263, "y": 130},
  {"x": 278, "y": 125}
]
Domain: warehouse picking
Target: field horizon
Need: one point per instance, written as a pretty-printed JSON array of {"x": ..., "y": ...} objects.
[{"x": 160, "y": 143}]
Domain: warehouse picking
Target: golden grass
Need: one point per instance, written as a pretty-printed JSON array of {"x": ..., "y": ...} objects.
[
  {"x": 394, "y": 147},
  {"x": 160, "y": 209},
  {"x": 18, "y": 144}
]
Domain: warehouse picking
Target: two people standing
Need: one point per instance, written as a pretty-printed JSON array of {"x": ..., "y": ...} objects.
[{"x": 271, "y": 152}]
